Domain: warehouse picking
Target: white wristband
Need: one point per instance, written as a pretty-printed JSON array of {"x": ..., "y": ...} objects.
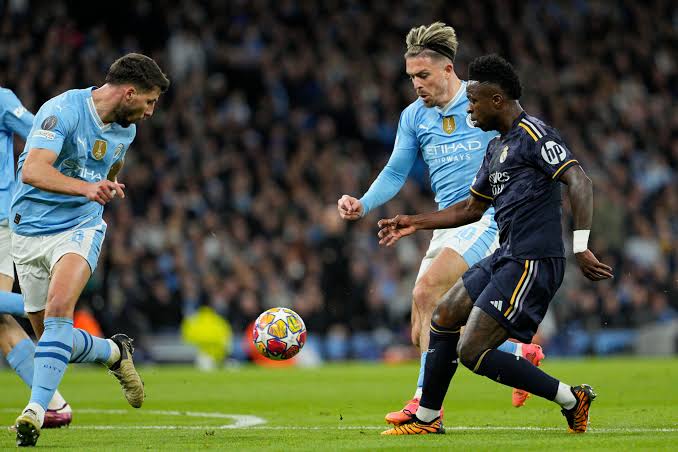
[{"x": 580, "y": 240}]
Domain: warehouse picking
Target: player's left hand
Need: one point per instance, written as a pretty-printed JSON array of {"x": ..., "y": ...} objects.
[
  {"x": 394, "y": 229},
  {"x": 591, "y": 267}
]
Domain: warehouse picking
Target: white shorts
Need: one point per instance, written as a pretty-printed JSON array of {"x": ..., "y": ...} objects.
[
  {"x": 6, "y": 265},
  {"x": 36, "y": 256},
  {"x": 473, "y": 242}
]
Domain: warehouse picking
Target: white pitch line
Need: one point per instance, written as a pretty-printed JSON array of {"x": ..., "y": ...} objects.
[
  {"x": 255, "y": 422},
  {"x": 239, "y": 420}
]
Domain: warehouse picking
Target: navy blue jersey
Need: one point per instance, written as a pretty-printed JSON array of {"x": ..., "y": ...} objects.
[{"x": 520, "y": 175}]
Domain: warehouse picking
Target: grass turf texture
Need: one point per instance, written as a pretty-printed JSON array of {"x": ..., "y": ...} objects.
[{"x": 341, "y": 407}]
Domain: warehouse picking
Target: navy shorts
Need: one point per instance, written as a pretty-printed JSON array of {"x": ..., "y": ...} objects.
[{"x": 515, "y": 292}]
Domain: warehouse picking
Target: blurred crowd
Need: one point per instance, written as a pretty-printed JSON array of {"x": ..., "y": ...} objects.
[{"x": 278, "y": 108}]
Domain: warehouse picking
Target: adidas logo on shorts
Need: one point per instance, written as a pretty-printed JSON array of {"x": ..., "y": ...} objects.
[{"x": 497, "y": 304}]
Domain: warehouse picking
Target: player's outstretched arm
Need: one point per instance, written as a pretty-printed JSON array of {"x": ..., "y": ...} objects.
[
  {"x": 350, "y": 208},
  {"x": 38, "y": 171},
  {"x": 464, "y": 212},
  {"x": 580, "y": 192}
]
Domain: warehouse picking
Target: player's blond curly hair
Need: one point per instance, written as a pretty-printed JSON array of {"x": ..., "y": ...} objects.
[{"x": 436, "y": 40}]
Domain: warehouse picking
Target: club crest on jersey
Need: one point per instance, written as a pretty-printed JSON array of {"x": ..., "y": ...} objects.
[
  {"x": 99, "y": 149},
  {"x": 448, "y": 124},
  {"x": 118, "y": 150},
  {"x": 504, "y": 154}
]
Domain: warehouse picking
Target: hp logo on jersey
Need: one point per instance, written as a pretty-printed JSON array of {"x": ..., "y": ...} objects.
[{"x": 552, "y": 152}]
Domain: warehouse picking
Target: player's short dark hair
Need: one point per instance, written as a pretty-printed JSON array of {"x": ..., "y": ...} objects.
[
  {"x": 495, "y": 69},
  {"x": 139, "y": 70}
]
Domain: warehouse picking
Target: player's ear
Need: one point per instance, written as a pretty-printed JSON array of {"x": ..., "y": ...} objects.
[
  {"x": 497, "y": 99},
  {"x": 129, "y": 93}
]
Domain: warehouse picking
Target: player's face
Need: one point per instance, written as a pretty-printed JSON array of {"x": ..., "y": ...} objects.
[
  {"x": 482, "y": 105},
  {"x": 136, "y": 105},
  {"x": 430, "y": 79}
]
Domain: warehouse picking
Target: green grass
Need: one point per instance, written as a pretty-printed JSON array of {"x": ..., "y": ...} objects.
[{"x": 341, "y": 407}]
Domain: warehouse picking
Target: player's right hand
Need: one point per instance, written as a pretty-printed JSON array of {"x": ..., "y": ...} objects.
[
  {"x": 393, "y": 229},
  {"x": 104, "y": 191},
  {"x": 350, "y": 208}
]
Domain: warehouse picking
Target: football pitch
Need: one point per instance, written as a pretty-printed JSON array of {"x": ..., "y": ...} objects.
[{"x": 341, "y": 407}]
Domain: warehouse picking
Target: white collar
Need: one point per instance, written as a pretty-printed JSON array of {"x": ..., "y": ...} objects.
[
  {"x": 454, "y": 100},
  {"x": 95, "y": 115}
]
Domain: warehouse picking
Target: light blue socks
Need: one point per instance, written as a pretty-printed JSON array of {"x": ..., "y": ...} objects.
[
  {"x": 20, "y": 358},
  {"x": 88, "y": 348},
  {"x": 12, "y": 304},
  {"x": 51, "y": 359},
  {"x": 508, "y": 347}
]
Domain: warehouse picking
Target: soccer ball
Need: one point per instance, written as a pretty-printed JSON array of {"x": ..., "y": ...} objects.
[{"x": 279, "y": 333}]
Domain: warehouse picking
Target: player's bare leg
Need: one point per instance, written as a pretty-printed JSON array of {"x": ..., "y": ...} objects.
[
  {"x": 477, "y": 351},
  {"x": 443, "y": 272}
]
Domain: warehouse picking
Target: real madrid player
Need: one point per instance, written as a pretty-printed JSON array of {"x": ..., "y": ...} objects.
[
  {"x": 15, "y": 344},
  {"x": 438, "y": 126},
  {"x": 66, "y": 174},
  {"x": 506, "y": 294}
]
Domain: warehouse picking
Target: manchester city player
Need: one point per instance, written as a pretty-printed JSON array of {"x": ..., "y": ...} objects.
[
  {"x": 508, "y": 293},
  {"x": 438, "y": 126},
  {"x": 15, "y": 344},
  {"x": 66, "y": 174}
]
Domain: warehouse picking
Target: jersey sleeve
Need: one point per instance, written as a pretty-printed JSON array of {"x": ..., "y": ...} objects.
[
  {"x": 14, "y": 116},
  {"x": 53, "y": 123},
  {"x": 480, "y": 187},
  {"x": 392, "y": 178},
  {"x": 552, "y": 156}
]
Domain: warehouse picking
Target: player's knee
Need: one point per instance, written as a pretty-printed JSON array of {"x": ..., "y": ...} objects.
[
  {"x": 453, "y": 308},
  {"x": 468, "y": 354},
  {"x": 422, "y": 296},
  {"x": 447, "y": 316}
]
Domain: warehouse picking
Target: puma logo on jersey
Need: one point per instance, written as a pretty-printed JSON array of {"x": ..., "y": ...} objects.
[
  {"x": 422, "y": 126},
  {"x": 497, "y": 304}
]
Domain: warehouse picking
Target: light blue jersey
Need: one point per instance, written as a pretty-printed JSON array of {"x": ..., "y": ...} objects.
[
  {"x": 70, "y": 126},
  {"x": 14, "y": 118},
  {"x": 451, "y": 146}
]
